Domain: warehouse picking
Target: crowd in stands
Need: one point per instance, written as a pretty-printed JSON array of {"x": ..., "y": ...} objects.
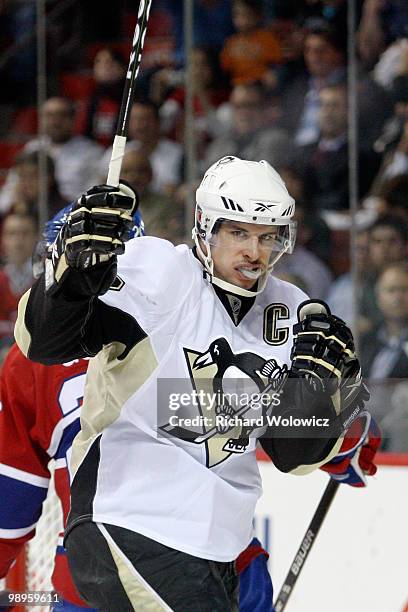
[{"x": 269, "y": 81}]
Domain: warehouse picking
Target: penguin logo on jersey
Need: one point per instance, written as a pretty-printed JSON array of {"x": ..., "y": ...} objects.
[{"x": 222, "y": 380}]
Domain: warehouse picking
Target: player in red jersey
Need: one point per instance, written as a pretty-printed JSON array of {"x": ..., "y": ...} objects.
[{"x": 38, "y": 422}]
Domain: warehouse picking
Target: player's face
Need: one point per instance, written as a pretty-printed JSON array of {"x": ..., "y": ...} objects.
[{"x": 241, "y": 252}]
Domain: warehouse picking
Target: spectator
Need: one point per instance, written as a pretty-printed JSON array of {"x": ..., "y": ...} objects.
[
  {"x": 388, "y": 238},
  {"x": 250, "y": 53},
  {"x": 144, "y": 134},
  {"x": 395, "y": 161},
  {"x": 325, "y": 63},
  {"x": 26, "y": 194},
  {"x": 288, "y": 31},
  {"x": 76, "y": 157},
  {"x": 250, "y": 136},
  {"x": 18, "y": 237},
  {"x": 384, "y": 357},
  {"x": 393, "y": 141},
  {"x": 382, "y": 22},
  {"x": 324, "y": 56},
  {"x": 384, "y": 350},
  {"x": 388, "y": 242},
  {"x": 100, "y": 119},
  {"x": 392, "y": 197},
  {"x": 341, "y": 294},
  {"x": 394, "y": 425},
  {"x": 326, "y": 163},
  {"x": 162, "y": 216},
  {"x": 210, "y": 86}
]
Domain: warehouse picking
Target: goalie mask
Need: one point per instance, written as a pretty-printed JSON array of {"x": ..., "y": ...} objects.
[{"x": 235, "y": 190}]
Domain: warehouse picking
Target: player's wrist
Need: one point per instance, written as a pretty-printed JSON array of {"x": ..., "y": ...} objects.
[{"x": 77, "y": 284}]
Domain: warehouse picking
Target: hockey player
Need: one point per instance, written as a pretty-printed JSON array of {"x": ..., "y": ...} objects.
[
  {"x": 38, "y": 422},
  {"x": 157, "y": 519}
]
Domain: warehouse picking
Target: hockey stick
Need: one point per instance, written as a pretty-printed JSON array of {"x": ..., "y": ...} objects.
[
  {"x": 304, "y": 549},
  {"x": 119, "y": 143}
]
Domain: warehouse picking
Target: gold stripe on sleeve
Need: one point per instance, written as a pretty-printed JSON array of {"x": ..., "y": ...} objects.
[{"x": 21, "y": 333}]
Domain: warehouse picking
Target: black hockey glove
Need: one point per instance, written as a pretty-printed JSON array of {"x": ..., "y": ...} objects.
[
  {"x": 324, "y": 385},
  {"x": 323, "y": 353},
  {"x": 96, "y": 230}
]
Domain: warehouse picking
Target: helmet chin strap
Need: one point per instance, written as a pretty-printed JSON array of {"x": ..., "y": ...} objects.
[
  {"x": 230, "y": 288},
  {"x": 225, "y": 285}
]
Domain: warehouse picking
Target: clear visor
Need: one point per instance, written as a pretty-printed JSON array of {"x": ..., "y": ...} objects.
[{"x": 263, "y": 238}]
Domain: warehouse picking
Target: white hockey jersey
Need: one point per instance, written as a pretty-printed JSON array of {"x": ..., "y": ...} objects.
[{"x": 195, "y": 497}]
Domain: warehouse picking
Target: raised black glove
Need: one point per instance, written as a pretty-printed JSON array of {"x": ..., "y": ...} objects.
[
  {"x": 96, "y": 230},
  {"x": 323, "y": 347},
  {"x": 323, "y": 353},
  {"x": 324, "y": 386}
]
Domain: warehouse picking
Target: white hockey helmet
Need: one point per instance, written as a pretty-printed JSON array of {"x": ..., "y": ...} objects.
[{"x": 248, "y": 192}]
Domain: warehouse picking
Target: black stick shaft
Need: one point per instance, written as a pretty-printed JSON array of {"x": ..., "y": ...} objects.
[
  {"x": 306, "y": 546},
  {"x": 134, "y": 65},
  {"x": 119, "y": 143}
]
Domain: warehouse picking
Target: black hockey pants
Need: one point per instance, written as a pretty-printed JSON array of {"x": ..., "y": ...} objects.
[{"x": 117, "y": 570}]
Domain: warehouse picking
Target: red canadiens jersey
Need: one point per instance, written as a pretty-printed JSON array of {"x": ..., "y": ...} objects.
[{"x": 39, "y": 418}]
